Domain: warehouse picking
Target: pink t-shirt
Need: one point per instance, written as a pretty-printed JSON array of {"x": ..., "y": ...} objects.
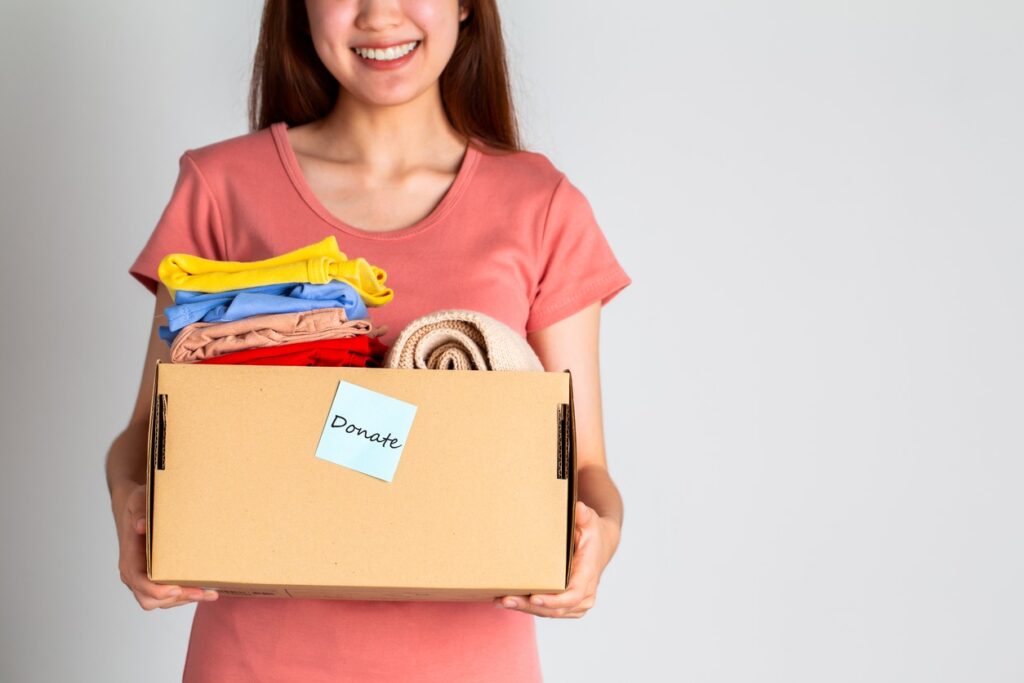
[{"x": 512, "y": 238}]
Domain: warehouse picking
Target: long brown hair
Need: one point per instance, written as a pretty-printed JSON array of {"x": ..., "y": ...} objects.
[{"x": 291, "y": 84}]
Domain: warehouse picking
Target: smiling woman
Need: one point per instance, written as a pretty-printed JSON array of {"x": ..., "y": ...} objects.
[{"x": 389, "y": 124}]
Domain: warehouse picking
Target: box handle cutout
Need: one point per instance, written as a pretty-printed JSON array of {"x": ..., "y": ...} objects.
[
  {"x": 562, "y": 467},
  {"x": 160, "y": 429}
]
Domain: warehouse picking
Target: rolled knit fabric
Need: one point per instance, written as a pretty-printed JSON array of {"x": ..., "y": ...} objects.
[
  {"x": 317, "y": 263},
  {"x": 359, "y": 351},
  {"x": 454, "y": 339},
  {"x": 206, "y": 340}
]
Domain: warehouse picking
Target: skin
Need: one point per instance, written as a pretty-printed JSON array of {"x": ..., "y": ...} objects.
[
  {"x": 126, "y": 480},
  {"x": 383, "y": 158},
  {"x": 573, "y": 343}
]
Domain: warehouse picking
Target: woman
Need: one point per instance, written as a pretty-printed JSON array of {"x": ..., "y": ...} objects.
[{"x": 410, "y": 156}]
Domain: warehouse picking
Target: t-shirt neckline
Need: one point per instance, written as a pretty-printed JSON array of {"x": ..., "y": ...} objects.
[{"x": 286, "y": 154}]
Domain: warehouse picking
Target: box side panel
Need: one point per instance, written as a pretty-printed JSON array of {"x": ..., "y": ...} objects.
[
  {"x": 150, "y": 454},
  {"x": 572, "y": 471},
  {"x": 242, "y": 483}
]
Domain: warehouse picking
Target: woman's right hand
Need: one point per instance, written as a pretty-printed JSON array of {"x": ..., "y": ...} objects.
[{"x": 131, "y": 531}]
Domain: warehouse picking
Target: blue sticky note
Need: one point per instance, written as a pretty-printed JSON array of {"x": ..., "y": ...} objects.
[{"x": 366, "y": 430}]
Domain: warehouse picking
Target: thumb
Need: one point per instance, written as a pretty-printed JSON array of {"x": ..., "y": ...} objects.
[
  {"x": 135, "y": 509},
  {"x": 584, "y": 512}
]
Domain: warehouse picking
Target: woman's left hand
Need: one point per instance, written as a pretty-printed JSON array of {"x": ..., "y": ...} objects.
[{"x": 596, "y": 538}]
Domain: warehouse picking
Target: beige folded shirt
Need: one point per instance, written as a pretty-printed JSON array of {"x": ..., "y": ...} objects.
[{"x": 202, "y": 340}]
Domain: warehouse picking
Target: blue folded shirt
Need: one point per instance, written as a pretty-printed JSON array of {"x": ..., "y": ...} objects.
[{"x": 190, "y": 307}]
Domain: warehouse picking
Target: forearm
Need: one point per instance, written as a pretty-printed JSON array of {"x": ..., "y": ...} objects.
[
  {"x": 126, "y": 463},
  {"x": 597, "y": 490}
]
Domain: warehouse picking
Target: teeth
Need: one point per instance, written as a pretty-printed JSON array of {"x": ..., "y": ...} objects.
[{"x": 388, "y": 54}]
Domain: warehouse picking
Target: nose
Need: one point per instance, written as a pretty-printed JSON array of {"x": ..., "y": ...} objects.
[{"x": 379, "y": 15}]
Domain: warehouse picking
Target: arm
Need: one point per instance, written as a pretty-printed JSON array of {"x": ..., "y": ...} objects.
[
  {"x": 126, "y": 461},
  {"x": 572, "y": 343},
  {"x": 126, "y": 482}
]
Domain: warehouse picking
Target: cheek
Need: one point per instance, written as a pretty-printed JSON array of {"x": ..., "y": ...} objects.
[
  {"x": 438, "y": 19},
  {"x": 329, "y": 24},
  {"x": 426, "y": 10}
]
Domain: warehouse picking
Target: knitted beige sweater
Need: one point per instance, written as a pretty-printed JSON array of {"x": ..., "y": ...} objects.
[{"x": 454, "y": 339}]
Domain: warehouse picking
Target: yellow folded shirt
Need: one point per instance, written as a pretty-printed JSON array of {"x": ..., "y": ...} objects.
[{"x": 317, "y": 263}]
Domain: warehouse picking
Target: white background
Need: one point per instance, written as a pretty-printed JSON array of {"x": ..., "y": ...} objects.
[{"x": 813, "y": 389}]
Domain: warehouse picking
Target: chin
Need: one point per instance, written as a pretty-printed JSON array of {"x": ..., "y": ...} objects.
[{"x": 389, "y": 99}]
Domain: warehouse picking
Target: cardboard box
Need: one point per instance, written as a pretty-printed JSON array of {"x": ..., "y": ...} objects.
[{"x": 481, "y": 503}]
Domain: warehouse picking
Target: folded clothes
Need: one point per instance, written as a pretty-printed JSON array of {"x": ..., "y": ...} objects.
[
  {"x": 205, "y": 340},
  {"x": 317, "y": 263},
  {"x": 359, "y": 351},
  {"x": 454, "y": 339},
  {"x": 212, "y": 307}
]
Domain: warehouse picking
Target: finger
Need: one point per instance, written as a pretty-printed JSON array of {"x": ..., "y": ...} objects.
[
  {"x": 149, "y": 603},
  {"x": 583, "y": 581},
  {"x": 507, "y": 601},
  {"x": 570, "y": 597},
  {"x": 140, "y": 584},
  {"x": 552, "y": 612},
  {"x": 163, "y": 592},
  {"x": 162, "y": 596},
  {"x": 575, "y": 592},
  {"x": 165, "y": 595},
  {"x": 135, "y": 507},
  {"x": 135, "y": 520},
  {"x": 133, "y": 564},
  {"x": 585, "y": 515},
  {"x": 580, "y": 586},
  {"x": 135, "y": 576},
  {"x": 586, "y": 526},
  {"x": 519, "y": 602},
  {"x": 195, "y": 594}
]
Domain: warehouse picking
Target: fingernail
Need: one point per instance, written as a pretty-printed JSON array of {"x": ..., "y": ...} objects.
[
  {"x": 175, "y": 592},
  {"x": 536, "y": 599},
  {"x": 510, "y": 603},
  {"x": 209, "y": 595}
]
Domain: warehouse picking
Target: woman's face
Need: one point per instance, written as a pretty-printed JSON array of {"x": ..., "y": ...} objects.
[{"x": 385, "y": 76}]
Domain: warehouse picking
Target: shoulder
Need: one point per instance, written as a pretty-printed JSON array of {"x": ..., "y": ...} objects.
[
  {"x": 527, "y": 173},
  {"x": 235, "y": 157}
]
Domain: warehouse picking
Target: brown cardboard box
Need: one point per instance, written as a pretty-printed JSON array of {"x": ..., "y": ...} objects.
[{"x": 481, "y": 503}]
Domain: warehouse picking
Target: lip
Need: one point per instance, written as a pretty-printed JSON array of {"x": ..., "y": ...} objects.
[
  {"x": 389, "y": 65},
  {"x": 384, "y": 46}
]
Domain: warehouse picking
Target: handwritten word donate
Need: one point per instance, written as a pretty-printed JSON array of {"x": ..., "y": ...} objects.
[{"x": 351, "y": 428}]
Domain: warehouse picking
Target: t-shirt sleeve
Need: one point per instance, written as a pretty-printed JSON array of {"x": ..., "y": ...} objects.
[
  {"x": 190, "y": 224},
  {"x": 577, "y": 266}
]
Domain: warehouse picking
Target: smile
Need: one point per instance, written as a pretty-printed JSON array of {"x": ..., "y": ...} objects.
[{"x": 388, "y": 54}]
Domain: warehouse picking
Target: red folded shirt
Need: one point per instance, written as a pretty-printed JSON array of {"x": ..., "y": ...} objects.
[{"x": 358, "y": 351}]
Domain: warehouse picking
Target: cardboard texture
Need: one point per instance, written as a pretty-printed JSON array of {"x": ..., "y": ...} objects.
[{"x": 481, "y": 503}]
